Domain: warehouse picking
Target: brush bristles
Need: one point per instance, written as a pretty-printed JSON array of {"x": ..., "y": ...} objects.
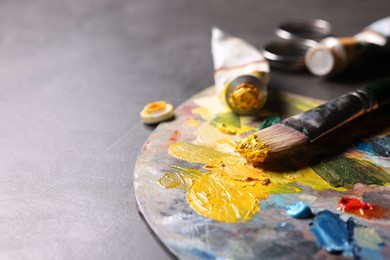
[
  {"x": 270, "y": 143},
  {"x": 280, "y": 138}
]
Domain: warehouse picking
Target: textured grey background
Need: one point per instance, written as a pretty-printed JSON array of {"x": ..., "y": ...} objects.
[{"x": 73, "y": 77}]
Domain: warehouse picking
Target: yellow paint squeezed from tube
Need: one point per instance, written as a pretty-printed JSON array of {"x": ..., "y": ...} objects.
[{"x": 245, "y": 97}]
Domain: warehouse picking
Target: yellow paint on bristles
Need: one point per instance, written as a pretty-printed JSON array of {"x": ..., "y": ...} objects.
[{"x": 252, "y": 149}]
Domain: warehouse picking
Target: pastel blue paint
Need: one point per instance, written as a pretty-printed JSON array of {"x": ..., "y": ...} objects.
[
  {"x": 367, "y": 253},
  {"x": 201, "y": 254},
  {"x": 349, "y": 249},
  {"x": 350, "y": 224},
  {"x": 299, "y": 210},
  {"x": 381, "y": 146},
  {"x": 335, "y": 236},
  {"x": 331, "y": 232},
  {"x": 276, "y": 201}
]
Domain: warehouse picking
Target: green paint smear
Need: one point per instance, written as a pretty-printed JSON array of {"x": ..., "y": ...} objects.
[
  {"x": 271, "y": 120},
  {"x": 229, "y": 119},
  {"x": 340, "y": 171}
]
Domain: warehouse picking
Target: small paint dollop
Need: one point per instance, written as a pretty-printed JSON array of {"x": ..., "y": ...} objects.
[
  {"x": 331, "y": 232},
  {"x": 361, "y": 209},
  {"x": 347, "y": 238},
  {"x": 174, "y": 136},
  {"x": 226, "y": 129},
  {"x": 156, "y": 112},
  {"x": 299, "y": 210}
]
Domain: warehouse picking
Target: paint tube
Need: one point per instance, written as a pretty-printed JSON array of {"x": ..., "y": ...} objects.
[
  {"x": 241, "y": 73},
  {"x": 333, "y": 55}
]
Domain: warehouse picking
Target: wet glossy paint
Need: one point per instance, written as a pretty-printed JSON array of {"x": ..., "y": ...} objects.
[
  {"x": 361, "y": 209},
  {"x": 331, "y": 232},
  {"x": 299, "y": 210},
  {"x": 340, "y": 171}
]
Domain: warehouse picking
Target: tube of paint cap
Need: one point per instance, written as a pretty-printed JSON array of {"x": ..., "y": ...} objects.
[
  {"x": 241, "y": 73},
  {"x": 332, "y": 55}
]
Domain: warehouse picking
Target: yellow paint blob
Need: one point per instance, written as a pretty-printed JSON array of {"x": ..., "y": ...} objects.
[
  {"x": 226, "y": 129},
  {"x": 308, "y": 177},
  {"x": 193, "y": 153},
  {"x": 237, "y": 168},
  {"x": 224, "y": 199},
  {"x": 192, "y": 122},
  {"x": 230, "y": 189},
  {"x": 202, "y": 111},
  {"x": 174, "y": 180},
  {"x": 252, "y": 149},
  {"x": 181, "y": 179},
  {"x": 155, "y": 106},
  {"x": 245, "y": 97}
]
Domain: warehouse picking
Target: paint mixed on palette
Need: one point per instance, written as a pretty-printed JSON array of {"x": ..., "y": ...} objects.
[{"x": 206, "y": 202}]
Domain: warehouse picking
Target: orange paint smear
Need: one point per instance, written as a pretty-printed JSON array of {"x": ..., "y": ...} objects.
[{"x": 361, "y": 209}]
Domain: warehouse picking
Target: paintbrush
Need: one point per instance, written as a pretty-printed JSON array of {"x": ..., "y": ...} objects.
[{"x": 307, "y": 127}]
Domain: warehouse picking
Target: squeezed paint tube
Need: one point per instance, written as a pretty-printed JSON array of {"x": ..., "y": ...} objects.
[
  {"x": 241, "y": 73},
  {"x": 333, "y": 55}
]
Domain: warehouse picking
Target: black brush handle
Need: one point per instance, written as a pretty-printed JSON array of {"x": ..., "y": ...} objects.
[{"x": 323, "y": 119}]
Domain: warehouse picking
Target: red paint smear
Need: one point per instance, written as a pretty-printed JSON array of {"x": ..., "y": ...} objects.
[
  {"x": 145, "y": 146},
  {"x": 174, "y": 136},
  {"x": 185, "y": 111},
  {"x": 361, "y": 209}
]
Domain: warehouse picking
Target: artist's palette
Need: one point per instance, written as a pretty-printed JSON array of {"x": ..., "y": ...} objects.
[{"x": 269, "y": 233}]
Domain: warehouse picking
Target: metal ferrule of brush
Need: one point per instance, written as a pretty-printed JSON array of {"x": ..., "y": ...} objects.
[{"x": 323, "y": 119}]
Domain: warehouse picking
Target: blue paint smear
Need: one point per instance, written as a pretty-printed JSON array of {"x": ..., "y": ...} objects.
[
  {"x": 331, "y": 232},
  {"x": 274, "y": 202},
  {"x": 364, "y": 147},
  {"x": 299, "y": 210},
  {"x": 367, "y": 253},
  {"x": 350, "y": 249},
  {"x": 376, "y": 146},
  {"x": 336, "y": 236},
  {"x": 201, "y": 254}
]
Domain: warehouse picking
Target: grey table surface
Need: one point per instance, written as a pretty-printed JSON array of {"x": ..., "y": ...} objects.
[{"x": 74, "y": 76}]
